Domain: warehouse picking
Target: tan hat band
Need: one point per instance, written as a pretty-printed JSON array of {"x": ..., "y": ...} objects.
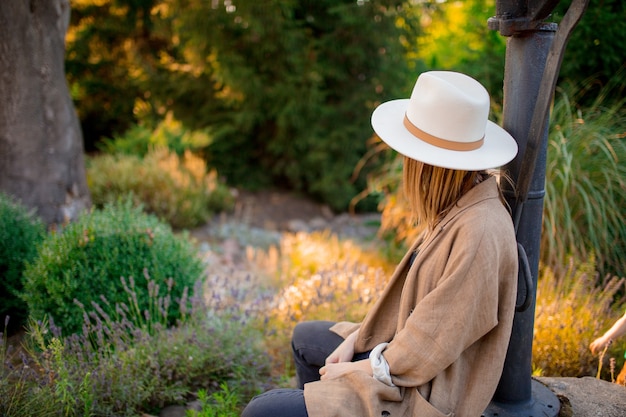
[{"x": 439, "y": 142}]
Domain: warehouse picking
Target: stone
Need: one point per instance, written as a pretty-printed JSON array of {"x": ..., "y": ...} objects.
[
  {"x": 180, "y": 410},
  {"x": 297, "y": 225},
  {"x": 587, "y": 396},
  {"x": 318, "y": 223},
  {"x": 173, "y": 411}
]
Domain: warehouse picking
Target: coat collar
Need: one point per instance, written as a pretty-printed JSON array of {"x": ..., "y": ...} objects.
[{"x": 486, "y": 190}]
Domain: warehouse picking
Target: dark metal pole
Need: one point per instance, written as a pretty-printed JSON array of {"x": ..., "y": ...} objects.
[
  {"x": 534, "y": 53},
  {"x": 525, "y": 62}
]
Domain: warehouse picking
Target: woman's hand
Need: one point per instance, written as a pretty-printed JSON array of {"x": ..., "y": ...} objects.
[
  {"x": 344, "y": 352},
  {"x": 335, "y": 370}
]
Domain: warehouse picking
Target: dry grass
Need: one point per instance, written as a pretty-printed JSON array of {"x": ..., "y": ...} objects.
[
  {"x": 572, "y": 310},
  {"x": 178, "y": 189},
  {"x": 318, "y": 276}
]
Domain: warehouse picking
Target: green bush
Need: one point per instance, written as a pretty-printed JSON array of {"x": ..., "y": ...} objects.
[
  {"x": 88, "y": 259},
  {"x": 175, "y": 188},
  {"x": 20, "y": 233},
  {"x": 596, "y": 47}
]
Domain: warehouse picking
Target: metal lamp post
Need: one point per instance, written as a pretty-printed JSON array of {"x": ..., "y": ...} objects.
[{"x": 533, "y": 59}]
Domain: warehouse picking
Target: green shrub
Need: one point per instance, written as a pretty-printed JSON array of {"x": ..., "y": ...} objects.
[
  {"x": 20, "y": 233},
  {"x": 169, "y": 133},
  {"x": 288, "y": 97},
  {"x": 89, "y": 258},
  {"x": 596, "y": 46},
  {"x": 175, "y": 188}
]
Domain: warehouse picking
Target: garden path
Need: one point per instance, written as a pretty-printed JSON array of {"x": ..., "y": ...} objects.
[
  {"x": 283, "y": 211},
  {"x": 260, "y": 218}
]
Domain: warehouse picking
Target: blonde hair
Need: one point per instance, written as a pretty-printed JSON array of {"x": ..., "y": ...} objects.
[{"x": 432, "y": 191}]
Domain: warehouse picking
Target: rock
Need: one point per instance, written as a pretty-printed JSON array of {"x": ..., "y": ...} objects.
[
  {"x": 297, "y": 225},
  {"x": 173, "y": 411},
  {"x": 587, "y": 397},
  {"x": 318, "y": 223},
  {"x": 180, "y": 410}
]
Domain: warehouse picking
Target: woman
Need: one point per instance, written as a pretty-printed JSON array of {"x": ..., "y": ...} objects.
[{"x": 434, "y": 343}]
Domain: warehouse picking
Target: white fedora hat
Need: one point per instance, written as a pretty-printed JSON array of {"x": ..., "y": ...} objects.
[{"x": 445, "y": 124}]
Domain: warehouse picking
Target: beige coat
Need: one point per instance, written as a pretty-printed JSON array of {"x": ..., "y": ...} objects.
[{"x": 448, "y": 319}]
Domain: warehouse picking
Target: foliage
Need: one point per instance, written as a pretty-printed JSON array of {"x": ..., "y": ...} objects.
[
  {"x": 169, "y": 133},
  {"x": 596, "y": 47},
  {"x": 289, "y": 86},
  {"x": 318, "y": 276},
  {"x": 108, "y": 44},
  {"x": 117, "y": 368},
  {"x": 175, "y": 188},
  {"x": 115, "y": 251},
  {"x": 572, "y": 310},
  {"x": 286, "y": 88},
  {"x": 586, "y": 179},
  {"x": 20, "y": 233},
  {"x": 222, "y": 403},
  {"x": 456, "y": 37}
]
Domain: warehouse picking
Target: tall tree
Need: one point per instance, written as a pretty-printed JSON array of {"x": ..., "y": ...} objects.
[
  {"x": 111, "y": 49},
  {"x": 286, "y": 87},
  {"x": 41, "y": 149}
]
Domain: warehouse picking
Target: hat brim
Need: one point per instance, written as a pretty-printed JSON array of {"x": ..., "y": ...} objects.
[{"x": 499, "y": 146}]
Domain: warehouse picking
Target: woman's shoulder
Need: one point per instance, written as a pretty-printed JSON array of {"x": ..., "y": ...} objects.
[
  {"x": 482, "y": 210},
  {"x": 486, "y": 221}
]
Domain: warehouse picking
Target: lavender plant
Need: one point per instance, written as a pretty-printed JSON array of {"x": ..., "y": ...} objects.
[{"x": 117, "y": 367}]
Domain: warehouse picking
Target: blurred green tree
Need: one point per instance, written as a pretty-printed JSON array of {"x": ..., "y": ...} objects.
[
  {"x": 109, "y": 45},
  {"x": 596, "y": 49},
  {"x": 456, "y": 37},
  {"x": 287, "y": 87}
]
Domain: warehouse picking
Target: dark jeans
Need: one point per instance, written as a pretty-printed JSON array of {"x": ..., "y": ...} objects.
[{"x": 311, "y": 343}]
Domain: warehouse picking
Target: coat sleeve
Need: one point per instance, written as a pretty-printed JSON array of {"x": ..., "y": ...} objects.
[{"x": 461, "y": 308}]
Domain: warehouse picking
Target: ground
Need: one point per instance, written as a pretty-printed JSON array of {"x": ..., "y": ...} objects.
[
  {"x": 282, "y": 211},
  {"x": 274, "y": 210}
]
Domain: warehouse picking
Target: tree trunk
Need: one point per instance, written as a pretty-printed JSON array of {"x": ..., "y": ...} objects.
[{"x": 41, "y": 145}]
